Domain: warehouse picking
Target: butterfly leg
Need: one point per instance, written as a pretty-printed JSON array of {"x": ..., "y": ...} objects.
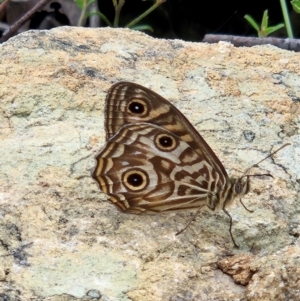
[
  {"x": 246, "y": 207},
  {"x": 191, "y": 220},
  {"x": 230, "y": 227}
]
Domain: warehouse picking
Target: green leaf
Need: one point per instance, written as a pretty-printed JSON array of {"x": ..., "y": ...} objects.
[
  {"x": 264, "y": 30},
  {"x": 252, "y": 22},
  {"x": 79, "y": 3},
  {"x": 274, "y": 28},
  {"x": 296, "y": 6},
  {"x": 147, "y": 12},
  {"x": 142, "y": 27},
  {"x": 102, "y": 16},
  {"x": 264, "y": 21}
]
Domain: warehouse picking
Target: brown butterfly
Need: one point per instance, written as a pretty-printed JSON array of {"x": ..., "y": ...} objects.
[{"x": 154, "y": 160}]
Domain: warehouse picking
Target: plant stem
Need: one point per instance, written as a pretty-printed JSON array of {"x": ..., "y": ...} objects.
[
  {"x": 23, "y": 19},
  {"x": 118, "y": 8},
  {"x": 83, "y": 13},
  {"x": 102, "y": 16},
  {"x": 147, "y": 12},
  {"x": 286, "y": 19},
  {"x": 94, "y": 19}
]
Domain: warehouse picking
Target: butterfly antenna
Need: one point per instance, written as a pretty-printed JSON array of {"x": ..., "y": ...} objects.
[{"x": 270, "y": 155}]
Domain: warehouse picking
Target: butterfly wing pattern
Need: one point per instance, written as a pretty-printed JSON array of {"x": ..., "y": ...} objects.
[{"x": 154, "y": 160}]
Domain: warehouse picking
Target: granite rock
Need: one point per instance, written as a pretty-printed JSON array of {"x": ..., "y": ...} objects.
[{"x": 60, "y": 239}]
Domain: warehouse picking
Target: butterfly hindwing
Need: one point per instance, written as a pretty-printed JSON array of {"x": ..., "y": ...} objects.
[{"x": 125, "y": 171}]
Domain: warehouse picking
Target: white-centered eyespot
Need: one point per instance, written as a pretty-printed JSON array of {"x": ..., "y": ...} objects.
[
  {"x": 165, "y": 142},
  {"x": 135, "y": 179},
  {"x": 137, "y": 107}
]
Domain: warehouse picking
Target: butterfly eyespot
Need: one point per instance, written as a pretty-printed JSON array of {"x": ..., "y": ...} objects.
[
  {"x": 135, "y": 179},
  {"x": 137, "y": 107},
  {"x": 165, "y": 142}
]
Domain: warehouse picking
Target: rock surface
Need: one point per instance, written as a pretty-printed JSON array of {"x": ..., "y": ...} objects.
[{"x": 59, "y": 237}]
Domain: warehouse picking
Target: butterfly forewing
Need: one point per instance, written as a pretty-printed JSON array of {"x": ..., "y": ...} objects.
[{"x": 129, "y": 103}]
